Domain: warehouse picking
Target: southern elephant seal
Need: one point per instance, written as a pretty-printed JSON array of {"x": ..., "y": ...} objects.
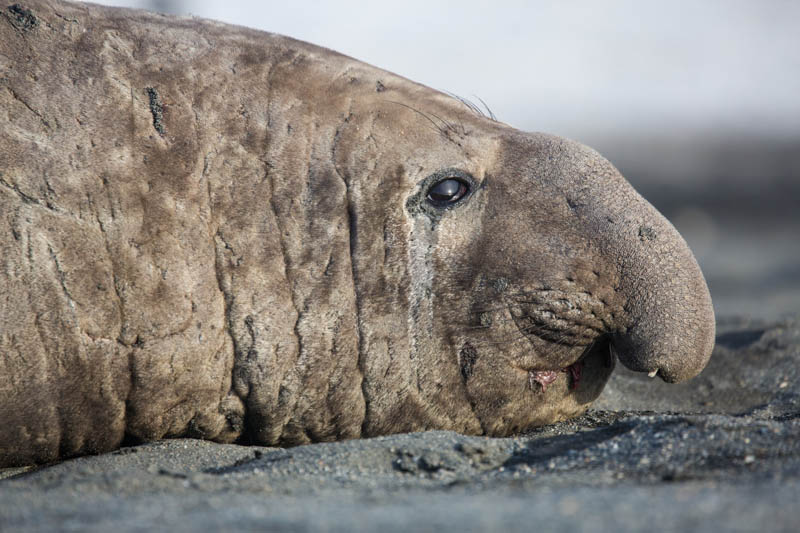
[{"x": 216, "y": 232}]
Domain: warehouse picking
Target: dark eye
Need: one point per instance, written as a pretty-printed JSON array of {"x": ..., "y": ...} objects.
[{"x": 448, "y": 191}]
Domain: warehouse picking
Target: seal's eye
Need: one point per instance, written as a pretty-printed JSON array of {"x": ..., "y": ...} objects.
[{"x": 447, "y": 191}]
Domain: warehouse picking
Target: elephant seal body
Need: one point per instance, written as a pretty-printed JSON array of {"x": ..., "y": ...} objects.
[{"x": 220, "y": 233}]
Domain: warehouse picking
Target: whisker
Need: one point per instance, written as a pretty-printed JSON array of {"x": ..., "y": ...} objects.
[
  {"x": 468, "y": 104},
  {"x": 435, "y": 125},
  {"x": 447, "y": 124},
  {"x": 491, "y": 115}
]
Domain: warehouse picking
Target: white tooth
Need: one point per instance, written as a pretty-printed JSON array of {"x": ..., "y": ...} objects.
[{"x": 652, "y": 374}]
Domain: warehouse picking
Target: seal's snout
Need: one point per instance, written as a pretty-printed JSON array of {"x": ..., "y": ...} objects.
[
  {"x": 666, "y": 325},
  {"x": 670, "y": 320},
  {"x": 633, "y": 269}
]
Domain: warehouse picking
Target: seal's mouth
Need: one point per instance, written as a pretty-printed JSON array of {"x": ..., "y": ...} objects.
[{"x": 538, "y": 380}]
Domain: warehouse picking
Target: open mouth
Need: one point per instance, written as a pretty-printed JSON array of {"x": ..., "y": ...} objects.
[{"x": 601, "y": 349}]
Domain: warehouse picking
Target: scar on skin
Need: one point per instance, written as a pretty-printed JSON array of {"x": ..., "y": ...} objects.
[{"x": 157, "y": 110}]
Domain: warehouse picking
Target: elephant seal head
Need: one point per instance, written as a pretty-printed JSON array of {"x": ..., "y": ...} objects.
[{"x": 500, "y": 274}]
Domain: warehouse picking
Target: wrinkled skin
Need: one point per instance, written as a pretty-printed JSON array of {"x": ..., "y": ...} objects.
[{"x": 220, "y": 233}]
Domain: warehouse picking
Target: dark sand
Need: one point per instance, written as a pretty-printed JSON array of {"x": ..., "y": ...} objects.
[{"x": 721, "y": 452}]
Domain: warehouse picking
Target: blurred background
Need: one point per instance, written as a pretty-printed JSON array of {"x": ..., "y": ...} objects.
[{"x": 697, "y": 103}]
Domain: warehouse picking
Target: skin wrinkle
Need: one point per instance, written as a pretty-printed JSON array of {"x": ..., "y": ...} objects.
[
  {"x": 471, "y": 401},
  {"x": 35, "y": 202},
  {"x": 29, "y": 108},
  {"x": 307, "y": 290},
  {"x": 228, "y": 319},
  {"x": 119, "y": 304},
  {"x": 289, "y": 382},
  {"x": 61, "y": 277},
  {"x": 288, "y": 385},
  {"x": 352, "y": 238}
]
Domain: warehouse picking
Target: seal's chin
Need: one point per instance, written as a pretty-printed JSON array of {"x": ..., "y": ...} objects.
[{"x": 598, "y": 351}]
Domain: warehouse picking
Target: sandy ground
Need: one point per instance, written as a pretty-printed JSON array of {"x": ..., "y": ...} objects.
[{"x": 721, "y": 452}]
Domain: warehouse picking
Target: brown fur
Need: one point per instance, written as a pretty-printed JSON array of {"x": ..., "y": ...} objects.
[{"x": 216, "y": 232}]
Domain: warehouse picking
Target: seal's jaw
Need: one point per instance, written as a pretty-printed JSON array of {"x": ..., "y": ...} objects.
[
  {"x": 601, "y": 349},
  {"x": 517, "y": 376},
  {"x": 510, "y": 398}
]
